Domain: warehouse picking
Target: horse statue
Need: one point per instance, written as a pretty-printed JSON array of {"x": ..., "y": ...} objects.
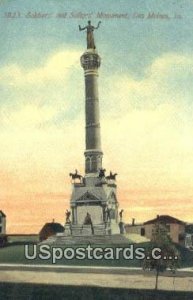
[
  {"x": 76, "y": 175},
  {"x": 111, "y": 176},
  {"x": 102, "y": 173}
]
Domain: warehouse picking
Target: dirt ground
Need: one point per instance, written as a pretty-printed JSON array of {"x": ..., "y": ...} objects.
[{"x": 101, "y": 280}]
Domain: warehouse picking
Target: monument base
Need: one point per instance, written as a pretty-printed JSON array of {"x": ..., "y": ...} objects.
[
  {"x": 113, "y": 239},
  {"x": 97, "y": 229},
  {"x": 94, "y": 203}
]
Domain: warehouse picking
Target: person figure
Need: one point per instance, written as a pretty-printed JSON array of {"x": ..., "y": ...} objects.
[
  {"x": 107, "y": 214},
  {"x": 88, "y": 221},
  {"x": 68, "y": 214},
  {"x": 90, "y": 34},
  {"x": 121, "y": 215}
]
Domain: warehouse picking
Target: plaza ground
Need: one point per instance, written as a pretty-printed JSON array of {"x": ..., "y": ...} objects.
[
  {"x": 70, "y": 281},
  {"x": 101, "y": 278},
  {"x": 68, "y": 285}
]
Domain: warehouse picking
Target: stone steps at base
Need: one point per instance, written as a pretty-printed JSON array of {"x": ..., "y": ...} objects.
[
  {"x": 84, "y": 230},
  {"x": 94, "y": 239}
]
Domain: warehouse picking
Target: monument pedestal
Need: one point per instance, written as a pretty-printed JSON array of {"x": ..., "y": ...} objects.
[
  {"x": 67, "y": 229},
  {"x": 96, "y": 197}
]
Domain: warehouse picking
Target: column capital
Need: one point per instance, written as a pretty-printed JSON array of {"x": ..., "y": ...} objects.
[{"x": 90, "y": 60}]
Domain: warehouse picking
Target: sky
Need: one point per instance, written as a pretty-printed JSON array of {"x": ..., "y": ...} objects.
[{"x": 145, "y": 87}]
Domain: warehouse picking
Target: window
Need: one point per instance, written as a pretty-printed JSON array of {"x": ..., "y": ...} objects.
[
  {"x": 142, "y": 231},
  {"x": 0, "y": 229},
  {"x": 94, "y": 164},
  {"x": 88, "y": 167}
]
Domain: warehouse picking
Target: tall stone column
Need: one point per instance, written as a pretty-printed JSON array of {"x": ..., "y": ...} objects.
[{"x": 90, "y": 61}]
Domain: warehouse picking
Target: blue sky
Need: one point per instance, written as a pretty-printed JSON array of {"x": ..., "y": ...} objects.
[
  {"x": 127, "y": 46},
  {"x": 125, "y": 39},
  {"x": 145, "y": 87}
]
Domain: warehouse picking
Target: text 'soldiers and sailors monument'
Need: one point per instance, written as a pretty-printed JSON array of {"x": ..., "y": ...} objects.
[{"x": 94, "y": 205}]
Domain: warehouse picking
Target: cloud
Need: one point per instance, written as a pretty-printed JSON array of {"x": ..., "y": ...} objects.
[
  {"x": 167, "y": 80},
  {"x": 147, "y": 130},
  {"x": 41, "y": 96},
  {"x": 171, "y": 62},
  {"x": 28, "y": 116},
  {"x": 56, "y": 68}
]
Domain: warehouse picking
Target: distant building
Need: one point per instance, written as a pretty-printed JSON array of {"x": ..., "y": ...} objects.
[
  {"x": 189, "y": 228},
  {"x": 189, "y": 236},
  {"x": 50, "y": 229},
  {"x": 2, "y": 222},
  {"x": 189, "y": 241},
  {"x": 174, "y": 227},
  {"x": 135, "y": 228}
]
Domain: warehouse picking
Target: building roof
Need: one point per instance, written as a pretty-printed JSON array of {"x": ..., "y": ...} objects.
[
  {"x": 50, "y": 229},
  {"x": 2, "y": 214},
  {"x": 55, "y": 227},
  {"x": 133, "y": 225},
  {"x": 97, "y": 192},
  {"x": 165, "y": 219}
]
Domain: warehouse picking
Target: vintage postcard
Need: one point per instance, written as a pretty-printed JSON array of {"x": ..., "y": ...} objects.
[{"x": 96, "y": 151}]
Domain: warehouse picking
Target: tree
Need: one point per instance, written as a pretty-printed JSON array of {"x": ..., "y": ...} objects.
[{"x": 167, "y": 258}]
